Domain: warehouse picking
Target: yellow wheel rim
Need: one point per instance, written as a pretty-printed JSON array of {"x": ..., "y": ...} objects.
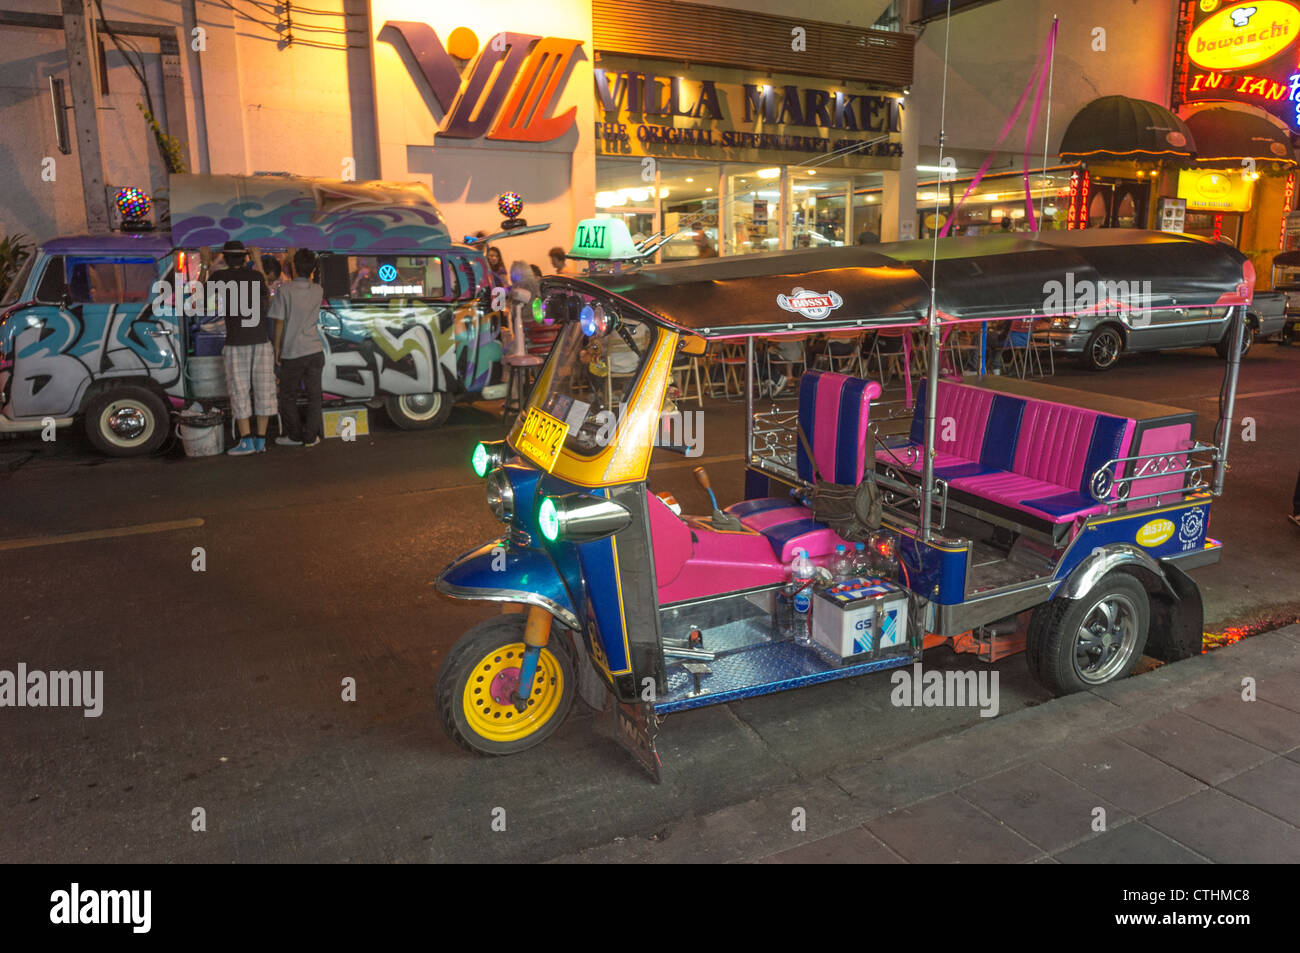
[{"x": 486, "y": 700}]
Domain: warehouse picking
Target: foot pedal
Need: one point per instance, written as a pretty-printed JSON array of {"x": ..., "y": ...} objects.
[{"x": 697, "y": 671}]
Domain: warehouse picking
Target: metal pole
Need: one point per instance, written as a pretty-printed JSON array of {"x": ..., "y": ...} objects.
[
  {"x": 1230, "y": 398},
  {"x": 749, "y": 399},
  {"x": 931, "y": 411}
]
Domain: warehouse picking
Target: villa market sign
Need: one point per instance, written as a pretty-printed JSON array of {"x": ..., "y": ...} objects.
[
  {"x": 1240, "y": 52},
  {"x": 650, "y": 114}
]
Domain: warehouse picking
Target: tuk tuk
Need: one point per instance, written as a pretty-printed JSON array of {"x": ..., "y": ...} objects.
[
  {"x": 1011, "y": 515},
  {"x": 116, "y": 329}
]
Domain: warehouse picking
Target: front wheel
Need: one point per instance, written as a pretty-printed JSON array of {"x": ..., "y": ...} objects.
[
  {"x": 1077, "y": 644},
  {"x": 419, "y": 411},
  {"x": 126, "y": 420},
  {"x": 1103, "y": 349},
  {"x": 1247, "y": 341},
  {"x": 478, "y": 677}
]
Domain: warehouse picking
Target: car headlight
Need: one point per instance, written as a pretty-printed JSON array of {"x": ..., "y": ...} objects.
[
  {"x": 487, "y": 456},
  {"x": 580, "y": 517},
  {"x": 500, "y": 496},
  {"x": 1068, "y": 323}
]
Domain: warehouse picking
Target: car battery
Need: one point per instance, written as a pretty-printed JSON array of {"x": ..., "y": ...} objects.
[{"x": 860, "y": 619}]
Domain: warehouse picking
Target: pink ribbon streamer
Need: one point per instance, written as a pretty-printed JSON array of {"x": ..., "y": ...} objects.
[{"x": 1037, "y": 77}]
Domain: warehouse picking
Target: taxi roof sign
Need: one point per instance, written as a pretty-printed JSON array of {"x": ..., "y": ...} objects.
[{"x": 603, "y": 239}]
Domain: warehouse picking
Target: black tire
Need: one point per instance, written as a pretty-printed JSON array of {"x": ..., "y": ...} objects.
[
  {"x": 127, "y": 420},
  {"x": 1054, "y": 648},
  {"x": 1247, "y": 341},
  {"x": 503, "y": 635},
  {"x": 1103, "y": 349},
  {"x": 419, "y": 411}
]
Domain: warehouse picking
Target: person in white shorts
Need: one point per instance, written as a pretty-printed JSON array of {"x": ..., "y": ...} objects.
[{"x": 248, "y": 355}]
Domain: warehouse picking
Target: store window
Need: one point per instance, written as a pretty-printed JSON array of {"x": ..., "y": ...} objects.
[
  {"x": 867, "y": 193},
  {"x": 818, "y": 200},
  {"x": 996, "y": 204},
  {"x": 753, "y": 209}
]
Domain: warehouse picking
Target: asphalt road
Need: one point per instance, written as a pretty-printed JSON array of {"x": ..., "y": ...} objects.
[{"x": 223, "y": 688}]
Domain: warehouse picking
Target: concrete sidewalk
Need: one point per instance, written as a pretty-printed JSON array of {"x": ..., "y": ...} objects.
[{"x": 1175, "y": 764}]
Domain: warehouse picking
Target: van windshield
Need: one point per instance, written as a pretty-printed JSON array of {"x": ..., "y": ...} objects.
[
  {"x": 592, "y": 378},
  {"x": 15, "y": 289}
]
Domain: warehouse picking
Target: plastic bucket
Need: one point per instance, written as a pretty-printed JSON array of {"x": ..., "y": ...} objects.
[
  {"x": 205, "y": 377},
  {"x": 201, "y": 434}
]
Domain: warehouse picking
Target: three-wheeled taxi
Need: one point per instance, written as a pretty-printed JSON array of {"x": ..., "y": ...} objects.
[{"x": 1012, "y": 515}]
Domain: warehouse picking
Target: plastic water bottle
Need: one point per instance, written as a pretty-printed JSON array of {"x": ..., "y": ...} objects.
[
  {"x": 801, "y": 591},
  {"x": 861, "y": 560},
  {"x": 841, "y": 566}
]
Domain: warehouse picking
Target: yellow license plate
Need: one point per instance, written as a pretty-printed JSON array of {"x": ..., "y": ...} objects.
[{"x": 541, "y": 437}]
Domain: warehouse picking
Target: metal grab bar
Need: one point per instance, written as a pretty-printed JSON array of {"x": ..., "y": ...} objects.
[
  {"x": 902, "y": 499},
  {"x": 1150, "y": 466}
]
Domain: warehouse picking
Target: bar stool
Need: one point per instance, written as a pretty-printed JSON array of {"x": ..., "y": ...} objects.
[{"x": 522, "y": 370}]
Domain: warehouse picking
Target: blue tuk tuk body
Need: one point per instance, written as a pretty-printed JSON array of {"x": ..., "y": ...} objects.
[{"x": 1014, "y": 515}]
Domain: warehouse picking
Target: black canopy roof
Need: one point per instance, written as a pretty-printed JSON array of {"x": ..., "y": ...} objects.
[
  {"x": 993, "y": 277},
  {"x": 1120, "y": 127}
]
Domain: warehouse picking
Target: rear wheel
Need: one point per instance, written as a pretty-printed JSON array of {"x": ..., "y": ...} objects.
[
  {"x": 126, "y": 420},
  {"x": 419, "y": 411},
  {"x": 479, "y": 675},
  {"x": 1078, "y": 644},
  {"x": 1103, "y": 349}
]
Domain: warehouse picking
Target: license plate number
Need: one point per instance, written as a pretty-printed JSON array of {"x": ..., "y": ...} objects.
[{"x": 541, "y": 438}]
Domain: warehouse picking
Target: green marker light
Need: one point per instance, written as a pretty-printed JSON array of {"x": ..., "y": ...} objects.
[
  {"x": 480, "y": 460},
  {"x": 548, "y": 520},
  {"x": 537, "y": 310}
]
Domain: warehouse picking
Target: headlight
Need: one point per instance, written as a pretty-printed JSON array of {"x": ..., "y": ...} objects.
[
  {"x": 580, "y": 518},
  {"x": 500, "y": 496},
  {"x": 1068, "y": 323},
  {"x": 488, "y": 455}
]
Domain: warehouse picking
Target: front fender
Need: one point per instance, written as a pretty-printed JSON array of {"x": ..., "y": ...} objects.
[
  {"x": 502, "y": 572},
  {"x": 1101, "y": 561}
]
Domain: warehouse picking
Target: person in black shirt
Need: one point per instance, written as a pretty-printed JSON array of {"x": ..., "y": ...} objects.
[{"x": 239, "y": 293}]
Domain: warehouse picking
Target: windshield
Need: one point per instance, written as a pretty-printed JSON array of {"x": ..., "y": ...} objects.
[
  {"x": 18, "y": 284},
  {"x": 595, "y": 365}
]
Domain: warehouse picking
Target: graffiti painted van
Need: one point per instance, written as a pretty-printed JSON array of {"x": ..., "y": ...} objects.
[{"x": 85, "y": 333}]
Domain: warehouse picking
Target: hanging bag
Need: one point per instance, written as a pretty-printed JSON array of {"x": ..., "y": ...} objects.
[{"x": 853, "y": 512}]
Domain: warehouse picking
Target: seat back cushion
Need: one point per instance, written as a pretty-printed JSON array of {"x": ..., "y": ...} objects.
[
  {"x": 1053, "y": 442},
  {"x": 961, "y": 416},
  {"x": 833, "y": 413},
  {"x": 1002, "y": 432}
]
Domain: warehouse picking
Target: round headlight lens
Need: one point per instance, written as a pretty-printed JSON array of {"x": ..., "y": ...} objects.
[
  {"x": 480, "y": 460},
  {"x": 500, "y": 496},
  {"x": 548, "y": 519}
]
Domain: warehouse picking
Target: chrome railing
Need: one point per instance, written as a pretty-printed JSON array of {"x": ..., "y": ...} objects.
[{"x": 1189, "y": 463}]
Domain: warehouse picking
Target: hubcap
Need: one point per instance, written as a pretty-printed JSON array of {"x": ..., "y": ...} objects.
[
  {"x": 125, "y": 423},
  {"x": 487, "y": 702},
  {"x": 421, "y": 406},
  {"x": 1106, "y": 349},
  {"x": 1106, "y": 639}
]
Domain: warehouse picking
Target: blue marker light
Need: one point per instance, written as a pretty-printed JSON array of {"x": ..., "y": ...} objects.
[{"x": 587, "y": 318}]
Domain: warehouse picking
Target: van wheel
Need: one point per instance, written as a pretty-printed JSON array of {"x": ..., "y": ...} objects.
[
  {"x": 1247, "y": 340},
  {"x": 126, "y": 420},
  {"x": 1077, "y": 644},
  {"x": 474, "y": 686},
  {"x": 1103, "y": 349},
  {"x": 419, "y": 411}
]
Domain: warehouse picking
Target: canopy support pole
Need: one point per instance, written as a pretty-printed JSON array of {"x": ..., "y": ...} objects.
[
  {"x": 749, "y": 399},
  {"x": 1224, "y": 430},
  {"x": 931, "y": 411}
]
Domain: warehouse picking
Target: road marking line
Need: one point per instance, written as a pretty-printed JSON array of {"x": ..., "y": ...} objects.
[
  {"x": 28, "y": 542},
  {"x": 1270, "y": 393}
]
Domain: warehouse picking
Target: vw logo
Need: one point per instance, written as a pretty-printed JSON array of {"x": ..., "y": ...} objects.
[{"x": 387, "y": 272}]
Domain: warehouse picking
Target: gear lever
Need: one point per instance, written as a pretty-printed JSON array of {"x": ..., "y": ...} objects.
[{"x": 720, "y": 520}]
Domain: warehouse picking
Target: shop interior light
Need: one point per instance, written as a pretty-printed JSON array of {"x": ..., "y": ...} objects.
[
  {"x": 689, "y": 179},
  {"x": 768, "y": 173},
  {"x": 709, "y": 189},
  {"x": 636, "y": 195}
]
